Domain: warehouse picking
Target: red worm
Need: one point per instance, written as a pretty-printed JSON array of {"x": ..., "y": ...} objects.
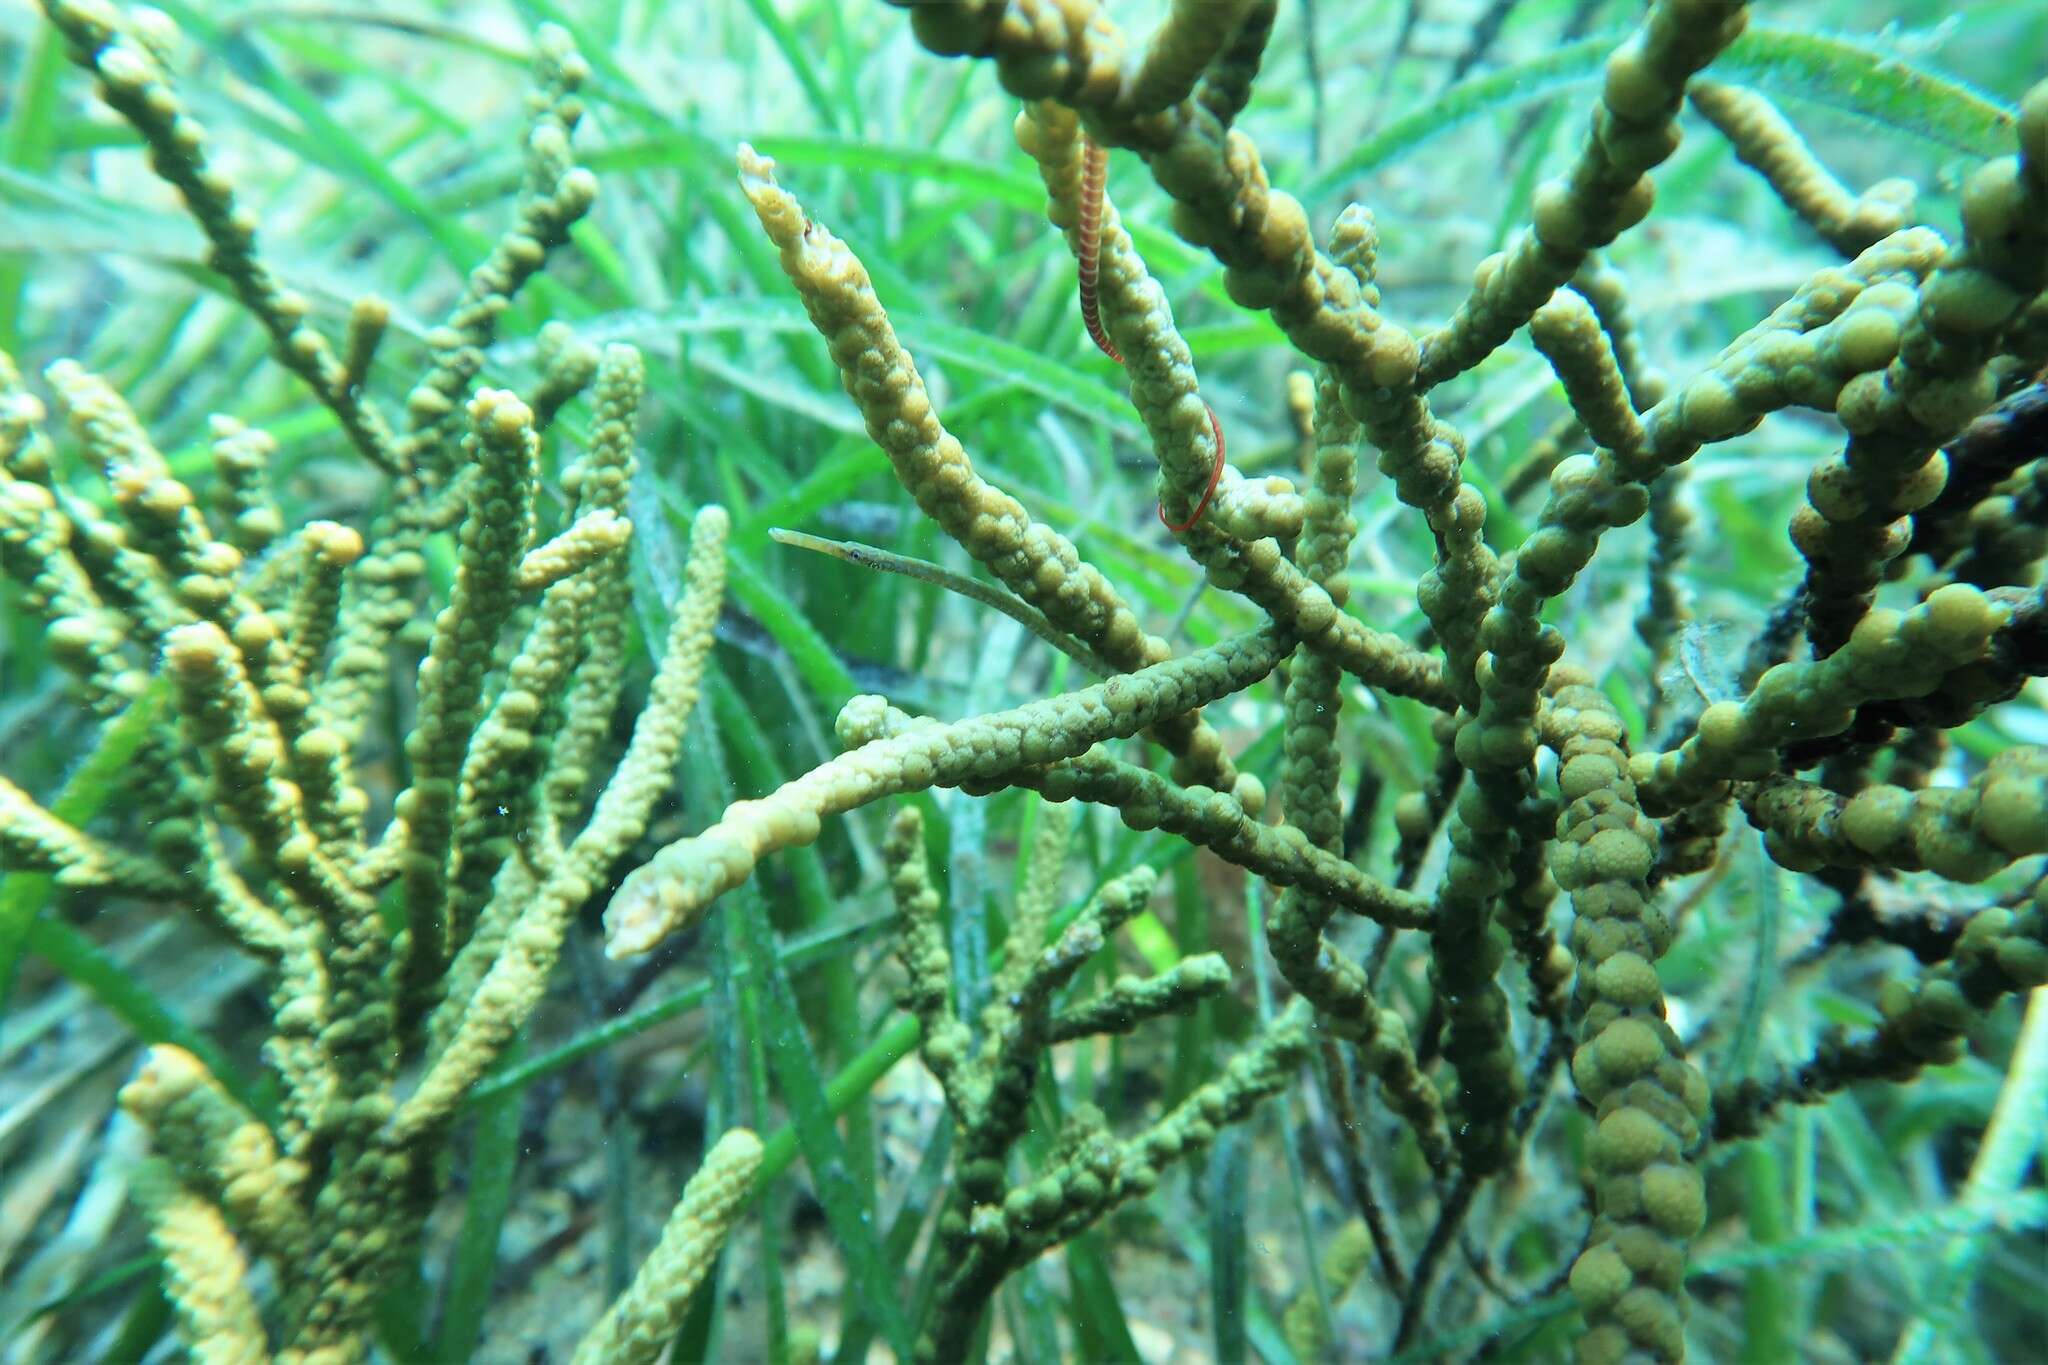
[
  {"x": 1215, "y": 477},
  {"x": 1088, "y": 242},
  {"x": 1088, "y": 250}
]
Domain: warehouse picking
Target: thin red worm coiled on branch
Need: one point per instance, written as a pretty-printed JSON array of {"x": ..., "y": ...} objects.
[{"x": 1088, "y": 251}]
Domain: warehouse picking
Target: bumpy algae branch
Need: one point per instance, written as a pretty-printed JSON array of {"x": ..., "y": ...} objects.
[
  {"x": 132, "y": 81},
  {"x": 1943, "y": 375},
  {"x": 1035, "y": 561},
  {"x": 1891, "y": 655},
  {"x": 1765, "y": 141},
  {"x": 1630, "y": 1066},
  {"x": 1336, "y": 985},
  {"x": 1144, "y": 800},
  {"x": 1966, "y": 834},
  {"x": 1925, "y": 1020},
  {"x": 993, "y": 1226},
  {"x": 642, "y": 1324},
  {"x": 673, "y": 888},
  {"x": 1166, "y": 394}
]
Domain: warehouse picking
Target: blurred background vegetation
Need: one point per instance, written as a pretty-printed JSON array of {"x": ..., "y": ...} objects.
[{"x": 380, "y": 143}]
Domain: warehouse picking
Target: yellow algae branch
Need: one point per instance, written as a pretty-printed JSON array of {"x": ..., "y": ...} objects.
[{"x": 667, "y": 894}]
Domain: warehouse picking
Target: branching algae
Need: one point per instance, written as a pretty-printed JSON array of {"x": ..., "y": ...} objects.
[
  {"x": 275, "y": 643},
  {"x": 403, "y": 961}
]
